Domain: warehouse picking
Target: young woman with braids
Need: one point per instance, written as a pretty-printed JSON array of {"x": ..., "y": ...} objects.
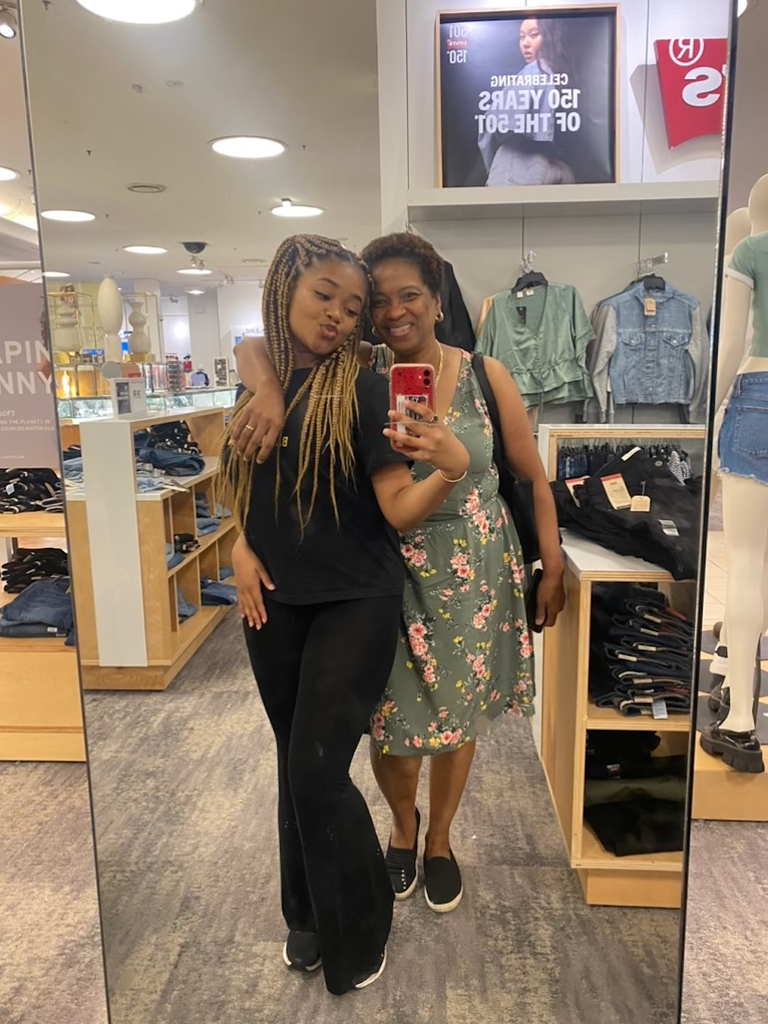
[
  {"x": 320, "y": 586},
  {"x": 464, "y": 651}
]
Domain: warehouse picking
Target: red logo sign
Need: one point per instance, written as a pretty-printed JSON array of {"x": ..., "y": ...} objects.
[{"x": 692, "y": 80}]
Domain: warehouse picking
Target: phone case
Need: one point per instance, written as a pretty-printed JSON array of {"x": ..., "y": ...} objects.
[
  {"x": 531, "y": 596},
  {"x": 410, "y": 382}
]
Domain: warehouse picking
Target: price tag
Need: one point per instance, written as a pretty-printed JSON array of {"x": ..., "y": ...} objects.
[
  {"x": 572, "y": 484},
  {"x": 659, "y": 708},
  {"x": 616, "y": 490},
  {"x": 640, "y": 503},
  {"x": 649, "y": 305},
  {"x": 10, "y": 488},
  {"x": 630, "y": 453}
]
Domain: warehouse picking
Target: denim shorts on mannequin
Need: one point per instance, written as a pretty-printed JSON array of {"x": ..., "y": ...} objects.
[{"x": 743, "y": 440}]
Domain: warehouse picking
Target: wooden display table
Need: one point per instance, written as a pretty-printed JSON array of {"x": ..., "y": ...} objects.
[
  {"x": 652, "y": 880},
  {"x": 40, "y": 702},
  {"x": 129, "y": 633}
]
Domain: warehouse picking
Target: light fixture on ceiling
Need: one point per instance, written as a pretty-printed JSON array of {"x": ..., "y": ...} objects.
[
  {"x": 201, "y": 271},
  {"x": 8, "y": 174},
  {"x": 195, "y": 291},
  {"x": 8, "y": 24},
  {"x": 146, "y": 188},
  {"x": 145, "y": 250},
  {"x": 68, "y": 216},
  {"x": 141, "y": 12},
  {"x": 248, "y": 147},
  {"x": 743, "y": 4},
  {"x": 54, "y": 273},
  {"x": 289, "y": 209},
  {"x": 227, "y": 281}
]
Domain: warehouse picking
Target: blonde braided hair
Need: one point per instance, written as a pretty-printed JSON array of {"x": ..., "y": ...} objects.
[{"x": 332, "y": 397}]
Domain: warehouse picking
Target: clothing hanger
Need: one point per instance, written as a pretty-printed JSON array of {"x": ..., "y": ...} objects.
[
  {"x": 652, "y": 281},
  {"x": 530, "y": 278}
]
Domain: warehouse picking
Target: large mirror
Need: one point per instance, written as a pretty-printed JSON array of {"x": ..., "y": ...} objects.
[{"x": 422, "y": 482}]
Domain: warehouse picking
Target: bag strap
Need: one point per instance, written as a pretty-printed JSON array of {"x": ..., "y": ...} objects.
[{"x": 478, "y": 365}]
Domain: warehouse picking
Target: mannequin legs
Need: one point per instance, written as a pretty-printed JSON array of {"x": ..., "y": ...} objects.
[{"x": 745, "y": 520}]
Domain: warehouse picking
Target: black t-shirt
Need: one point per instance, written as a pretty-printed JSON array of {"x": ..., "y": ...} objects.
[{"x": 360, "y": 557}]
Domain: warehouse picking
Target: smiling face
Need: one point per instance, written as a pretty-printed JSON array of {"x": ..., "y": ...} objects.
[
  {"x": 530, "y": 40},
  {"x": 403, "y": 308},
  {"x": 325, "y": 306}
]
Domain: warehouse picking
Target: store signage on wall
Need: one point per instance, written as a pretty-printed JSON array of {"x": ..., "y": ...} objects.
[
  {"x": 528, "y": 98},
  {"x": 28, "y": 429},
  {"x": 692, "y": 81}
]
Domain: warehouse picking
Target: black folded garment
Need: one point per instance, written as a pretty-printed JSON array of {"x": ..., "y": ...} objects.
[
  {"x": 643, "y": 825},
  {"x": 628, "y": 755},
  {"x": 32, "y": 564},
  {"x": 25, "y": 490},
  {"x": 667, "y": 536}
]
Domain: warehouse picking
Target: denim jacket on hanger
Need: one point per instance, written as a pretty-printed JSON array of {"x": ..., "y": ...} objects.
[{"x": 651, "y": 359}]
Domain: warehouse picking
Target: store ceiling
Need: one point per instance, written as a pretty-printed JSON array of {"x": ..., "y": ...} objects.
[
  {"x": 115, "y": 104},
  {"x": 17, "y": 243}
]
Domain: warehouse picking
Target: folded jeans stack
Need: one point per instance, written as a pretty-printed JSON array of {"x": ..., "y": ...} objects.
[
  {"x": 667, "y": 535},
  {"x": 634, "y": 802},
  {"x": 43, "y": 609},
  {"x": 29, "y": 490},
  {"x": 641, "y": 652},
  {"x": 185, "y": 608},
  {"x": 29, "y": 565},
  {"x": 214, "y": 593},
  {"x": 172, "y": 463}
]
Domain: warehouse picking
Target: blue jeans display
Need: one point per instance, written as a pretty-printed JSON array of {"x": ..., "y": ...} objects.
[
  {"x": 743, "y": 440},
  {"x": 186, "y": 609},
  {"x": 213, "y": 593},
  {"x": 48, "y": 602}
]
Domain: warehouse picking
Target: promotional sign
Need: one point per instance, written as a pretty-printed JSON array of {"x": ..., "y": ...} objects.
[
  {"x": 28, "y": 430},
  {"x": 528, "y": 97},
  {"x": 692, "y": 82}
]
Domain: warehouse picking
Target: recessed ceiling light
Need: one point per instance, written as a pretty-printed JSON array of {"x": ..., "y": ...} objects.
[
  {"x": 195, "y": 291},
  {"x": 145, "y": 250},
  {"x": 248, "y": 147},
  {"x": 54, "y": 273},
  {"x": 8, "y": 174},
  {"x": 69, "y": 216},
  {"x": 289, "y": 209},
  {"x": 194, "y": 270},
  {"x": 8, "y": 24},
  {"x": 146, "y": 188},
  {"x": 743, "y": 4},
  {"x": 141, "y": 12}
]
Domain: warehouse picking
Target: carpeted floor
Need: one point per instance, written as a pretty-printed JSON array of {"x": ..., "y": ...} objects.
[
  {"x": 726, "y": 946},
  {"x": 51, "y": 967},
  {"x": 184, "y": 792}
]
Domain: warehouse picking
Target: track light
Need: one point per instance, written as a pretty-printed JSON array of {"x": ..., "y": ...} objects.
[{"x": 8, "y": 24}]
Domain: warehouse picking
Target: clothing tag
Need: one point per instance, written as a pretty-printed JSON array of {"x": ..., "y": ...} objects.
[
  {"x": 646, "y": 647},
  {"x": 616, "y": 490},
  {"x": 10, "y": 488},
  {"x": 572, "y": 484},
  {"x": 626, "y": 657},
  {"x": 660, "y": 708},
  {"x": 671, "y": 530},
  {"x": 649, "y": 305},
  {"x": 520, "y": 295},
  {"x": 522, "y": 312},
  {"x": 529, "y": 291},
  {"x": 640, "y": 503},
  {"x": 630, "y": 453}
]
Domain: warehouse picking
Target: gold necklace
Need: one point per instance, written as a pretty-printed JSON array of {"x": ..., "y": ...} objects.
[{"x": 439, "y": 365}]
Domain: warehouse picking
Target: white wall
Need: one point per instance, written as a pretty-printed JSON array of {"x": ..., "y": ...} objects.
[
  {"x": 239, "y": 310},
  {"x": 749, "y": 142},
  {"x": 204, "y": 329}
]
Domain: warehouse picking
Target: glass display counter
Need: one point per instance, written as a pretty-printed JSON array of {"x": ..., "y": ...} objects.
[{"x": 97, "y": 407}]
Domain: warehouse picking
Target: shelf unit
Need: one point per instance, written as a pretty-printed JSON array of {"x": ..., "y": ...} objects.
[
  {"x": 40, "y": 702},
  {"x": 567, "y": 713},
  {"x": 129, "y": 633},
  {"x": 565, "y": 710},
  {"x": 562, "y": 200}
]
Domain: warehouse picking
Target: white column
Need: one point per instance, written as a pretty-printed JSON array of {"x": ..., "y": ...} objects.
[{"x": 151, "y": 287}]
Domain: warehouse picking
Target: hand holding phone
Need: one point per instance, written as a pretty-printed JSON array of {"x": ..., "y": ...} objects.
[{"x": 409, "y": 382}]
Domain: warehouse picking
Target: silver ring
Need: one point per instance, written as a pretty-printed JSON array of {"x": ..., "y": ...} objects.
[{"x": 249, "y": 427}]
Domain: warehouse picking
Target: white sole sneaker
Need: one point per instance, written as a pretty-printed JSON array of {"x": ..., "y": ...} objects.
[
  {"x": 444, "y": 908},
  {"x": 399, "y": 896},
  {"x": 374, "y": 977},
  {"x": 288, "y": 963}
]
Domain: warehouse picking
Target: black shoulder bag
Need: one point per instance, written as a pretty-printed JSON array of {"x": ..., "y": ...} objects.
[{"x": 517, "y": 493}]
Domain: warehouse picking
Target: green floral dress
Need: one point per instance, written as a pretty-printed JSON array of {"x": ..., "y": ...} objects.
[{"x": 464, "y": 655}]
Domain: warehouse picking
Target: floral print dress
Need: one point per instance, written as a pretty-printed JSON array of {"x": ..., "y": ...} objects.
[{"x": 464, "y": 655}]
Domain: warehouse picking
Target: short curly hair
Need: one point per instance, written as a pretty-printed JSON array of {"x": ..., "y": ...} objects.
[{"x": 408, "y": 247}]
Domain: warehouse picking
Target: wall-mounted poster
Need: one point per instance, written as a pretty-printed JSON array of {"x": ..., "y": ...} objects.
[{"x": 528, "y": 97}]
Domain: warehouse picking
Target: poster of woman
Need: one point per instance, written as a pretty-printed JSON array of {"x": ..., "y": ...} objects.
[{"x": 528, "y": 97}]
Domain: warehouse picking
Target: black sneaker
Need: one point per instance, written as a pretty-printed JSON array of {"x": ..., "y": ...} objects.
[
  {"x": 739, "y": 750},
  {"x": 719, "y": 664},
  {"x": 302, "y": 951},
  {"x": 366, "y": 978},
  {"x": 401, "y": 865},
  {"x": 443, "y": 888}
]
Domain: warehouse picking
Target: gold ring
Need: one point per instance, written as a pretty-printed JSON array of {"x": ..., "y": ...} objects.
[{"x": 249, "y": 427}]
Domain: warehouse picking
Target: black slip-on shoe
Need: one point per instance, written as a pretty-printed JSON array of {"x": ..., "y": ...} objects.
[
  {"x": 739, "y": 750},
  {"x": 720, "y": 697},
  {"x": 401, "y": 865},
  {"x": 442, "y": 881},
  {"x": 301, "y": 951}
]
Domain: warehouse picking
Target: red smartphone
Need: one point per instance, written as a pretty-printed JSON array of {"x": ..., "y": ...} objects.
[{"x": 410, "y": 382}]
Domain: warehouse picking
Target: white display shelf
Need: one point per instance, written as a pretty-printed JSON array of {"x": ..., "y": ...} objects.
[
  {"x": 562, "y": 200},
  {"x": 589, "y": 561}
]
